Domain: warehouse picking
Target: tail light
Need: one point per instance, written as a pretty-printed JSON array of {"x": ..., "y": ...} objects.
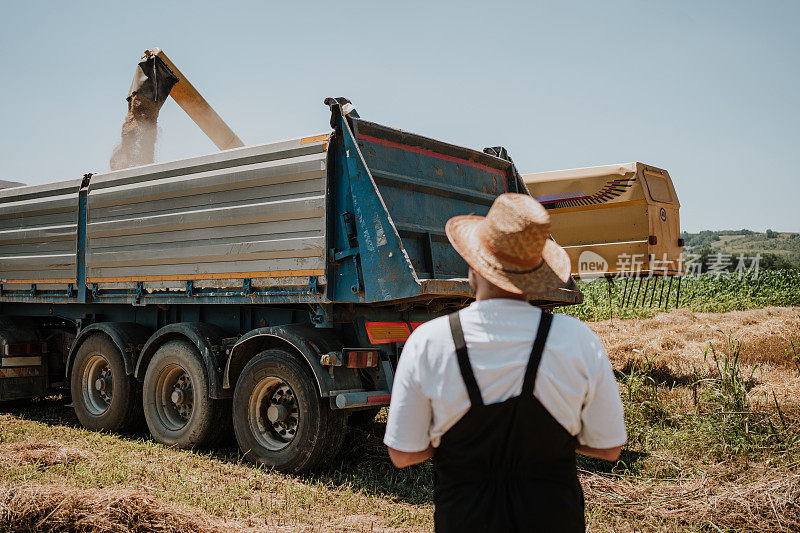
[
  {"x": 361, "y": 358},
  {"x": 385, "y": 332},
  {"x": 652, "y": 240},
  {"x": 25, "y": 348}
]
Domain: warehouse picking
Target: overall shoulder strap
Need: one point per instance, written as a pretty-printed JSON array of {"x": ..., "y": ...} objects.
[
  {"x": 536, "y": 354},
  {"x": 463, "y": 361}
]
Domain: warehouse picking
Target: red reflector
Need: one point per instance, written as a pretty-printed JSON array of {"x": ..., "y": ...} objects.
[
  {"x": 25, "y": 348},
  {"x": 383, "y": 332},
  {"x": 415, "y": 325},
  {"x": 379, "y": 399},
  {"x": 652, "y": 240},
  {"x": 362, "y": 358}
]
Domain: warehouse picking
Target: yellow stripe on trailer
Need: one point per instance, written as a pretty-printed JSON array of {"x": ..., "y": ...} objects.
[
  {"x": 223, "y": 275},
  {"x": 34, "y": 281},
  {"x": 315, "y": 138}
]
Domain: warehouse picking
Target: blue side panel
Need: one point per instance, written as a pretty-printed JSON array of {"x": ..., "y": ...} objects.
[
  {"x": 345, "y": 283},
  {"x": 425, "y": 182},
  {"x": 387, "y": 273},
  {"x": 81, "y": 248}
]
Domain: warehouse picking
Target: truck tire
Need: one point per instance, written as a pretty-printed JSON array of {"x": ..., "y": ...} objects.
[
  {"x": 105, "y": 397},
  {"x": 280, "y": 420},
  {"x": 177, "y": 407}
]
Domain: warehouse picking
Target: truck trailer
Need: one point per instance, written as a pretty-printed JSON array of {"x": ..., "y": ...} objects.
[{"x": 266, "y": 287}]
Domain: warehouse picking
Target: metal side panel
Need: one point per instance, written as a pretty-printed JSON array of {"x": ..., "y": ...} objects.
[
  {"x": 425, "y": 182},
  {"x": 253, "y": 213},
  {"x": 38, "y": 229},
  {"x": 460, "y": 287}
]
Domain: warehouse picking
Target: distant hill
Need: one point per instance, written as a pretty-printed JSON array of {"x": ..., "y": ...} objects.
[{"x": 778, "y": 250}]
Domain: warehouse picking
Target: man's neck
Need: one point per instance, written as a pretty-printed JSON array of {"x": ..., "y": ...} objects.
[{"x": 490, "y": 294}]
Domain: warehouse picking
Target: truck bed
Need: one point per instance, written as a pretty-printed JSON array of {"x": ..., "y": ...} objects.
[
  {"x": 355, "y": 215},
  {"x": 253, "y": 213}
]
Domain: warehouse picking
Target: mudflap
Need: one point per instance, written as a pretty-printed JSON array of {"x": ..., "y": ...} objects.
[{"x": 22, "y": 383}]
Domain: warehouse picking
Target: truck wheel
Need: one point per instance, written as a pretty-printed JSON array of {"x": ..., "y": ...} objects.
[
  {"x": 177, "y": 407},
  {"x": 105, "y": 397},
  {"x": 279, "y": 418}
]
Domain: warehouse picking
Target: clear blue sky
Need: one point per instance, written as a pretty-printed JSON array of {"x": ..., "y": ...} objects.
[{"x": 708, "y": 90}]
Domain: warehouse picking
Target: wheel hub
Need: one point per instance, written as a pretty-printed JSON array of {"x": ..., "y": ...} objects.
[
  {"x": 98, "y": 385},
  {"x": 174, "y": 394},
  {"x": 182, "y": 396},
  {"x": 103, "y": 383},
  {"x": 277, "y": 413},
  {"x": 274, "y": 413},
  {"x": 280, "y": 412}
]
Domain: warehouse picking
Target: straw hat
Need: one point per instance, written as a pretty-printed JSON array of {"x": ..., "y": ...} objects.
[{"x": 511, "y": 247}]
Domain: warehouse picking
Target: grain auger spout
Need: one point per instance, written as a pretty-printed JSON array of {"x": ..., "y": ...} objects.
[{"x": 155, "y": 79}]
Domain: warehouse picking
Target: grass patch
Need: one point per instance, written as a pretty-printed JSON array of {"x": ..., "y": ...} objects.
[
  {"x": 41, "y": 454},
  {"x": 354, "y": 495},
  {"x": 55, "y": 509},
  {"x": 712, "y": 456}
]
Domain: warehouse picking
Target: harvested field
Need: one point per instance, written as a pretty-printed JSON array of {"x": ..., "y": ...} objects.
[
  {"x": 676, "y": 343},
  {"x": 682, "y": 334},
  {"x": 760, "y": 500},
  {"x": 212, "y": 487},
  {"x": 52, "y": 508},
  {"x": 42, "y": 454},
  {"x": 692, "y": 462}
]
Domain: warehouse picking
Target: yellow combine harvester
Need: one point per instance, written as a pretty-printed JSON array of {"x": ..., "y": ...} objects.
[{"x": 614, "y": 219}]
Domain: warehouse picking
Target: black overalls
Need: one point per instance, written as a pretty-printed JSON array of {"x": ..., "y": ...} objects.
[{"x": 508, "y": 466}]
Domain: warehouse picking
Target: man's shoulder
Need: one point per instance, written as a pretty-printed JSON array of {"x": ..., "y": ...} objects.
[
  {"x": 570, "y": 324},
  {"x": 576, "y": 339},
  {"x": 432, "y": 330},
  {"x": 429, "y": 339}
]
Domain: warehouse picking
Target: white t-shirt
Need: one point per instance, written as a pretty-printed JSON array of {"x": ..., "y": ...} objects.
[{"x": 575, "y": 382}]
